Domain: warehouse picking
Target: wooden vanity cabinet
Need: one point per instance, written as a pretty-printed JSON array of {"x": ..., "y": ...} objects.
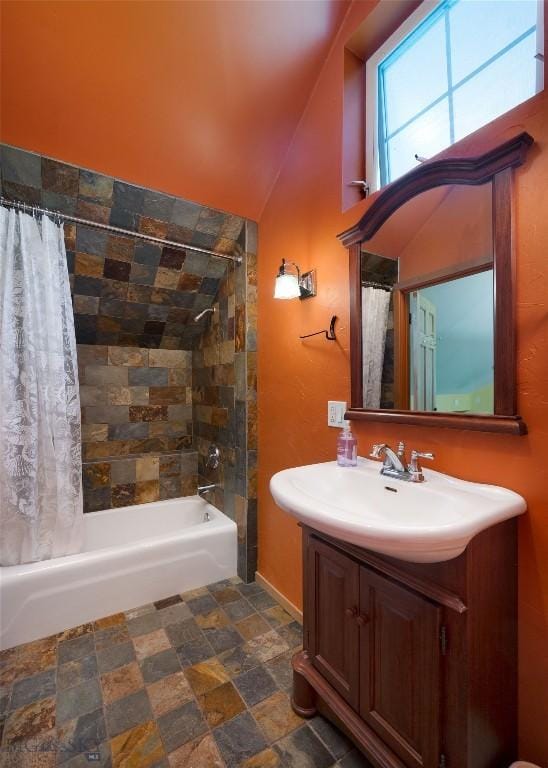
[{"x": 416, "y": 662}]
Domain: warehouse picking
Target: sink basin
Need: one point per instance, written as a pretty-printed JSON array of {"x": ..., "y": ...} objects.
[{"x": 419, "y": 522}]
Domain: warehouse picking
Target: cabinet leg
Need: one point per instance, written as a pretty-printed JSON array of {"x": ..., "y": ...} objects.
[{"x": 303, "y": 700}]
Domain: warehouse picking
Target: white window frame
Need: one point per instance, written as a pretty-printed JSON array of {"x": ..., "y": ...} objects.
[{"x": 372, "y": 165}]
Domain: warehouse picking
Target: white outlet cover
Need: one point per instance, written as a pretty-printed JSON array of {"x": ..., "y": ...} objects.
[{"x": 335, "y": 413}]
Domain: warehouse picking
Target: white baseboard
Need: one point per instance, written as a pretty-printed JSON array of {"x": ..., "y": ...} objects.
[{"x": 284, "y": 602}]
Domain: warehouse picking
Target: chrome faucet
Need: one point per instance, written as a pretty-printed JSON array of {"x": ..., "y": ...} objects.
[
  {"x": 394, "y": 464},
  {"x": 203, "y": 489}
]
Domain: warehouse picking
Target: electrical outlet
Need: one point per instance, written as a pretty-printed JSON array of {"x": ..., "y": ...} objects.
[{"x": 335, "y": 413}]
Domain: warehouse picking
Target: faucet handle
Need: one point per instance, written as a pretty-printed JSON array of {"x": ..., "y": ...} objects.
[
  {"x": 376, "y": 450},
  {"x": 401, "y": 449},
  {"x": 414, "y": 467}
]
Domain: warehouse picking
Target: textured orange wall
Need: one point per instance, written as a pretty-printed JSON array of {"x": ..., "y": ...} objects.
[
  {"x": 300, "y": 222},
  {"x": 198, "y": 99}
]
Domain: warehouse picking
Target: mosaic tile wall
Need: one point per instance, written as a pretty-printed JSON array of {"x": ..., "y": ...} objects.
[
  {"x": 136, "y": 425},
  {"x": 225, "y": 400},
  {"x": 144, "y": 297},
  {"x": 128, "y": 292}
]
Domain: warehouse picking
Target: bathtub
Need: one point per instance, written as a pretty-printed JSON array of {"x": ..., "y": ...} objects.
[{"x": 131, "y": 556}]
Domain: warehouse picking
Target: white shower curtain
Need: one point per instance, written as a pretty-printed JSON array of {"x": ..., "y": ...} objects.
[
  {"x": 40, "y": 444},
  {"x": 375, "y": 305}
]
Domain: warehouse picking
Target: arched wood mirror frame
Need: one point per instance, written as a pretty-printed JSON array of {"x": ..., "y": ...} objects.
[{"x": 495, "y": 166}]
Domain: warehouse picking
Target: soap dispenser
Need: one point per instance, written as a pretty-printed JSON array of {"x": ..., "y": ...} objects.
[{"x": 347, "y": 447}]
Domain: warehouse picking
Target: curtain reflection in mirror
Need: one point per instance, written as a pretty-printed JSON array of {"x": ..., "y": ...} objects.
[{"x": 375, "y": 304}]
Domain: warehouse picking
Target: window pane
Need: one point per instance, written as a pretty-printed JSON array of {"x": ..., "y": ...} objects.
[
  {"x": 416, "y": 78},
  {"x": 482, "y": 28},
  {"x": 502, "y": 85},
  {"x": 425, "y": 136}
]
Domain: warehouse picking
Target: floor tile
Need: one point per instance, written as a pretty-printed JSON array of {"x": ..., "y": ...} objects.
[
  {"x": 79, "y": 700},
  {"x": 227, "y": 595},
  {"x": 38, "y": 751},
  {"x": 267, "y": 646},
  {"x": 160, "y": 665},
  {"x": 221, "y": 704},
  {"x": 252, "y": 626},
  {"x": 276, "y": 717},
  {"x": 167, "y": 602},
  {"x": 143, "y": 625},
  {"x": 250, "y": 589},
  {"x": 140, "y": 611},
  {"x": 150, "y": 644},
  {"x": 127, "y": 713},
  {"x": 302, "y": 749},
  {"x": 239, "y": 739},
  {"x": 81, "y": 735},
  {"x": 281, "y": 670},
  {"x": 238, "y": 660},
  {"x": 121, "y": 682},
  {"x": 71, "y": 634},
  {"x": 200, "y": 680},
  {"x": 138, "y": 747},
  {"x": 215, "y": 619},
  {"x": 261, "y": 601},
  {"x": 206, "y": 676},
  {"x": 183, "y": 632},
  {"x": 265, "y": 759},
  {"x": 201, "y": 753},
  {"x": 223, "y": 639},
  {"x": 75, "y": 672},
  {"x": 115, "y": 620},
  {"x": 203, "y": 604},
  {"x": 238, "y": 610},
  {"x": 72, "y": 650},
  {"x": 292, "y": 634},
  {"x": 169, "y": 693},
  {"x": 194, "y": 651},
  {"x": 29, "y": 689},
  {"x": 255, "y": 685},
  {"x": 174, "y": 614},
  {"x": 277, "y": 616},
  {"x": 181, "y": 725},
  {"x": 107, "y": 638},
  {"x": 27, "y": 722},
  {"x": 116, "y": 656}
]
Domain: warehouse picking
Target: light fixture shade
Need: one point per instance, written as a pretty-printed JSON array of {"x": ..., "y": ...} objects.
[{"x": 286, "y": 287}]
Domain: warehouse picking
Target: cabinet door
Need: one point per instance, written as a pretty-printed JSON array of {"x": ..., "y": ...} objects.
[
  {"x": 400, "y": 668},
  {"x": 333, "y": 596}
]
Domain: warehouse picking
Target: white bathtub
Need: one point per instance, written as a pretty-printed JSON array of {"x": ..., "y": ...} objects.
[{"x": 131, "y": 556}]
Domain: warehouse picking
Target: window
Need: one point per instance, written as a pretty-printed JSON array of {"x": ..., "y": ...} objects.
[{"x": 451, "y": 68}]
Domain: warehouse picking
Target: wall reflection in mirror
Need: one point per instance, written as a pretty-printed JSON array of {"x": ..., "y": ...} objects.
[{"x": 427, "y": 305}]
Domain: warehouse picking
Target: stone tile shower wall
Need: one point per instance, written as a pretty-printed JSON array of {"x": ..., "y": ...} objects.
[
  {"x": 132, "y": 299},
  {"x": 225, "y": 400},
  {"x": 136, "y": 425}
]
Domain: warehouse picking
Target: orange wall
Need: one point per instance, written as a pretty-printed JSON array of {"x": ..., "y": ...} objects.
[
  {"x": 300, "y": 222},
  {"x": 198, "y": 99}
]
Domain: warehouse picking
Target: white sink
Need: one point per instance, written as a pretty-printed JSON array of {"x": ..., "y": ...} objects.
[{"x": 419, "y": 522}]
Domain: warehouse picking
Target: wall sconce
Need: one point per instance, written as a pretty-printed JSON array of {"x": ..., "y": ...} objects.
[{"x": 289, "y": 285}]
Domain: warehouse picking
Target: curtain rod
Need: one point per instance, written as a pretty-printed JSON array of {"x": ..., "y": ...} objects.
[
  {"x": 371, "y": 284},
  {"x": 34, "y": 209}
]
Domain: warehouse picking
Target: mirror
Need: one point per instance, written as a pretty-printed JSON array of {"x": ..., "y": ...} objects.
[
  {"x": 432, "y": 309},
  {"x": 427, "y": 305}
]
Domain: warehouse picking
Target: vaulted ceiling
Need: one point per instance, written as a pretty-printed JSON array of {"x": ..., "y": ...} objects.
[{"x": 196, "y": 98}]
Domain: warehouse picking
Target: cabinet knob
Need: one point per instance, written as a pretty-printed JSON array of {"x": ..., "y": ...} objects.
[
  {"x": 351, "y": 612},
  {"x": 362, "y": 619}
]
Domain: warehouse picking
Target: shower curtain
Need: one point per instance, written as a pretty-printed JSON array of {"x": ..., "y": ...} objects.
[
  {"x": 375, "y": 305},
  {"x": 40, "y": 444}
]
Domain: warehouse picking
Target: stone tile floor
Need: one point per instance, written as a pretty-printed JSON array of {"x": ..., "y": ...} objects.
[{"x": 199, "y": 680}]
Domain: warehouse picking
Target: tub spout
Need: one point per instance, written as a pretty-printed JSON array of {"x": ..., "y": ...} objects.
[{"x": 203, "y": 489}]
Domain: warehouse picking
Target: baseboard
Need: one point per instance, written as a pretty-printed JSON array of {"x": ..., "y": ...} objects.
[{"x": 284, "y": 602}]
